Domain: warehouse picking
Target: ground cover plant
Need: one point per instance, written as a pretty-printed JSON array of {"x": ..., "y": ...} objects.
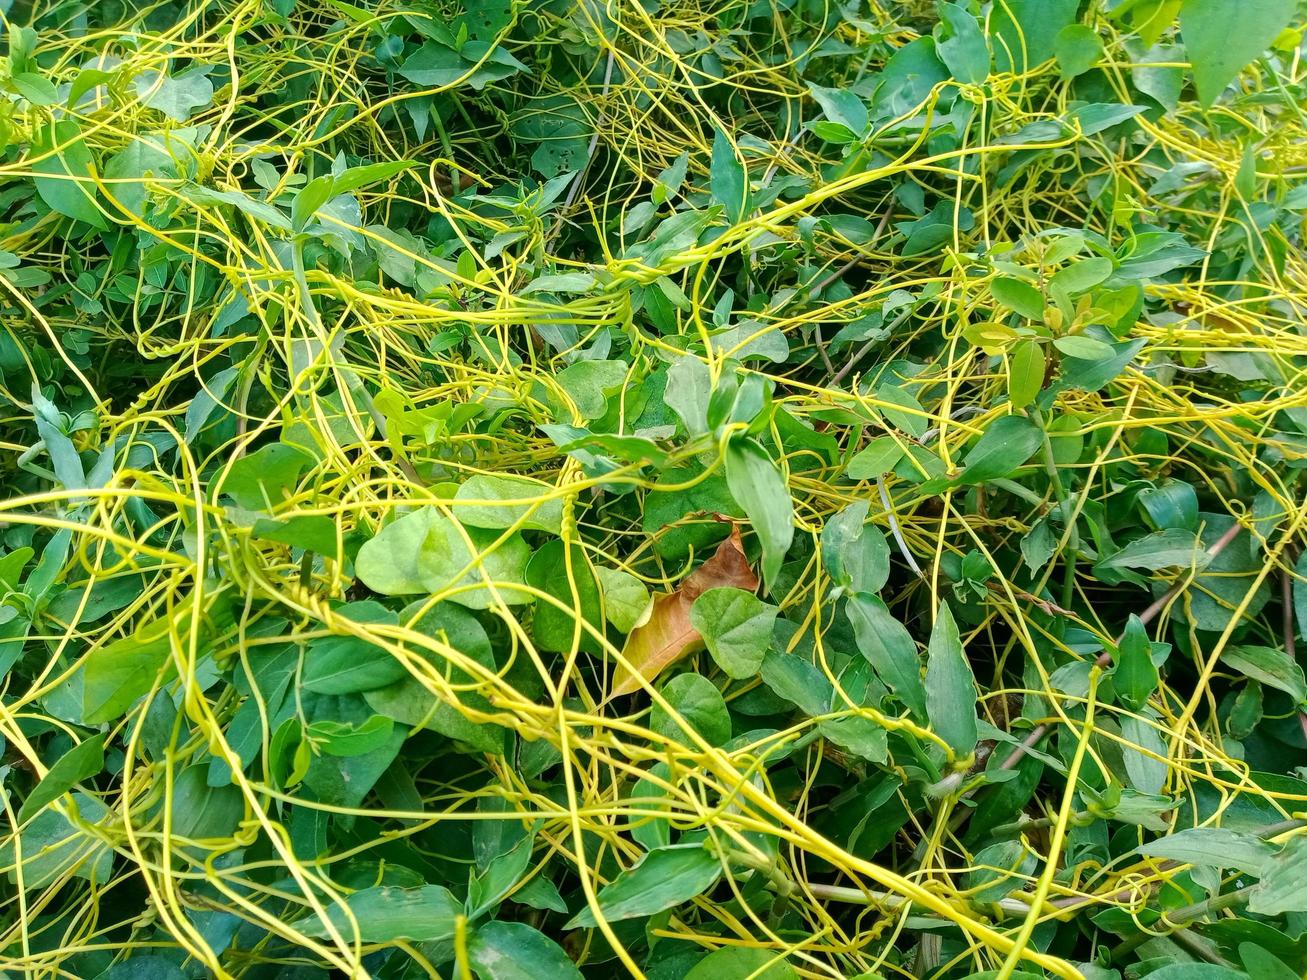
[{"x": 541, "y": 488}]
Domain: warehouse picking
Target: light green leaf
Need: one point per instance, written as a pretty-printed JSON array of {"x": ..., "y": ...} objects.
[
  {"x": 697, "y": 703},
  {"x": 1269, "y": 665},
  {"x": 1212, "y": 847},
  {"x": 1283, "y": 887},
  {"x": 1082, "y": 275},
  {"x": 178, "y": 97},
  {"x": 1078, "y": 48},
  {"x": 662, "y": 879},
  {"x": 123, "y": 671},
  {"x": 736, "y": 627},
  {"x": 1018, "y": 295},
  {"x": 1083, "y": 347},
  {"x": 1025, "y": 367},
  {"x": 425, "y": 552},
  {"x": 515, "y": 951},
  {"x": 1221, "y": 37},
  {"x": 880, "y": 456},
  {"x": 742, "y": 963},
  {"x": 625, "y": 597},
  {"x": 80, "y": 762},
  {"x": 841, "y": 106},
  {"x": 385, "y": 914},
  {"x": 481, "y": 503},
  {"x": 36, "y": 89},
  {"x": 64, "y": 172},
  {"x": 347, "y": 740},
  {"x": 950, "y": 686},
  {"x": 757, "y": 485}
]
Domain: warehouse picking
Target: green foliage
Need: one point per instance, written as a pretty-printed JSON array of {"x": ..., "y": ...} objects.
[{"x": 561, "y": 489}]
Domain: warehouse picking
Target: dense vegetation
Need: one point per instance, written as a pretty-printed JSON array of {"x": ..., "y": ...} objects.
[{"x": 547, "y": 489}]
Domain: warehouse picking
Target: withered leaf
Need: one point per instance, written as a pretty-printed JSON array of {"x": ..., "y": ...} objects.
[{"x": 665, "y": 634}]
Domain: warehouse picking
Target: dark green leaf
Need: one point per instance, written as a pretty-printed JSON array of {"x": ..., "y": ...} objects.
[
  {"x": 728, "y": 181},
  {"x": 889, "y": 648},
  {"x": 950, "y": 687}
]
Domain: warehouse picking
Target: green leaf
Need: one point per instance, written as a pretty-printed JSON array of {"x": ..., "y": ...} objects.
[
  {"x": 515, "y": 951},
  {"x": 1269, "y": 665},
  {"x": 625, "y": 597},
  {"x": 312, "y": 196},
  {"x": 841, "y": 106},
  {"x": 437, "y": 66},
  {"x": 123, "y": 671},
  {"x": 1264, "y": 965},
  {"x": 64, "y": 166},
  {"x": 1025, "y": 31},
  {"x": 36, "y": 89},
  {"x": 950, "y": 686},
  {"x": 264, "y": 478},
  {"x": 346, "y": 664},
  {"x": 1196, "y": 971},
  {"x": 742, "y": 963},
  {"x": 81, "y": 762},
  {"x": 696, "y": 702},
  {"x": 961, "y": 44},
  {"x": 1212, "y": 847},
  {"x": 1082, "y": 275},
  {"x": 757, "y": 485},
  {"x": 880, "y": 456},
  {"x": 424, "y": 552},
  {"x": 1085, "y": 348},
  {"x": 482, "y": 503},
  {"x": 385, "y": 914},
  {"x": 348, "y": 740},
  {"x": 889, "y": 648},
  {"x": 855, "y": 553},
  {"x": 1004, "y": 447},
  {"x": 1171, "y": 548},
  {"x": 1078, "y": 49},
  {"x": 1300, "y": 594},
  {"x": 1283, "y": 887},
  {"x": 727, "y": 180},
  {"x": 1134, "y": 674},
  {"x": 798, "y": 681},
  {"x": 1025, "y": 367},
  {"x": 369, "y": 173},
  {"x": 662, "y": 879},
  {"x": 1221, "y": 37},
  {"x": 689, "y": 389},
  {"x": 555, "y": 629},
  {"x": 178, "y": 97},
  {"x": 736, "y": 627},
  {"x": 1018, "y": 295}
]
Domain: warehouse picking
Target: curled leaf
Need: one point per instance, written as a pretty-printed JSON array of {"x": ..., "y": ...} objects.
[{"x": 666, "y": 634}]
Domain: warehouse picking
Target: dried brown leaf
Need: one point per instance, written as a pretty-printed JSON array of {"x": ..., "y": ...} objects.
[{"x": 666, "y": 635}]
